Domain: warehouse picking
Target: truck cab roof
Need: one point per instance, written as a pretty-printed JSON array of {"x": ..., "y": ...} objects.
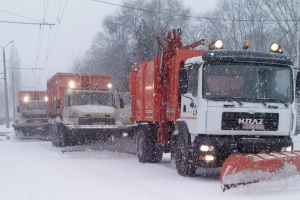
[{"x": 246, "y": 56}]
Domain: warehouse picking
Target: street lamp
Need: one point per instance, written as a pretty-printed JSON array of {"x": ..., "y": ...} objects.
[{"x": 5, "y": 86}]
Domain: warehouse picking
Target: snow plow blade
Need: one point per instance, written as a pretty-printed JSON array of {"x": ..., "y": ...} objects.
[{"x": 242, "y": 169}]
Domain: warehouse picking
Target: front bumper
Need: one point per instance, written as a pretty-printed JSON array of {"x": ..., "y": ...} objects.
[
  {"x": 28, "y": 130},
  {"x": 224, "y": 146}
]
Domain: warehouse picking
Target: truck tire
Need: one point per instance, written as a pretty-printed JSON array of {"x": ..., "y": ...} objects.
[
  {"x": 144, "y": 146},
  {"x": 183, "y": 157},
  {"x": 157, "y": 155},
  {"x": 147, "y": 151},
  {"x": 59, "y": 136},
  {"x": 64, "y": 140}
]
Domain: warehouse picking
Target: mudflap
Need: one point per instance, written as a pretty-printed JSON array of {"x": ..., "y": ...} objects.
[{"x": 239, "y": 169}]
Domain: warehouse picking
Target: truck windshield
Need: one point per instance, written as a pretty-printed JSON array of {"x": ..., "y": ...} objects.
[
  {"x": 246, "y": 82},
  {"x": 90, "y": 98},
  {"x": 34, "y": 105},
  {"x": 34, "y": 109}
]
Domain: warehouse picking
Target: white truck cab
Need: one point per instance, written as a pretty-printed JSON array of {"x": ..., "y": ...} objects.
[{"x": 237, "y": 102}]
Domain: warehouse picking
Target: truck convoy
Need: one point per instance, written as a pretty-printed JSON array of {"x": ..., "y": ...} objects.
[
  {"x": 85, "y": 108},
  {"x": 204, "y": 106},
  {"x": 33, "y": 119},
  {"x": 234, "y": 109}
]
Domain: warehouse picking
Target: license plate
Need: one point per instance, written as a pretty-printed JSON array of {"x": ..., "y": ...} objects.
[{"x": 254, "y": 126}]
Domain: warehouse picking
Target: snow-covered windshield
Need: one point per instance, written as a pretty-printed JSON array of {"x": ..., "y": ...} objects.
[
  {"x": 34, "y": 109},
  {"x": 90, "y": 98},
  {"x": 34, "y": 105},
  {"x": 247, "y": 82}
]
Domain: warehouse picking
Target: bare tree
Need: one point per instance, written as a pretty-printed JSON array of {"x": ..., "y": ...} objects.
[
  {"x": 129, "y": 37},
  {"x": 284, "y": 15}
]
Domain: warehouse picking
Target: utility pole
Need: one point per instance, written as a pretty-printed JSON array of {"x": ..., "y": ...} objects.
[
  {"x": 298, "y": 35},
  {"x": 13, "y": 89},
  {"x": 5, "y": 87},
  {"x": 298, "y": 41},
  {"x": 13, "y": 95}
]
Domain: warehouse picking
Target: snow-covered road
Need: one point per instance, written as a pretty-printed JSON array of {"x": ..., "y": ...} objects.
[{"x": 33, "y": 169}]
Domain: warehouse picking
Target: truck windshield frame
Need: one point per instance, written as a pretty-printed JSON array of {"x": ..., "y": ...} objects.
[
  {"x": 34, "y": 105},
  {"x": 34, "y": 109},
  {"x": 248, "y": 82},
  {"x": 79, "y": 98}
]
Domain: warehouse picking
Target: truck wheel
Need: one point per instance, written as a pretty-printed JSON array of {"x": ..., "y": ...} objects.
[
  {"x": 144, "y": 146},
  {"x": 183, "y": 157},
  {"x": 64, "y": 140},
  {"x": 157, "y": 155}
]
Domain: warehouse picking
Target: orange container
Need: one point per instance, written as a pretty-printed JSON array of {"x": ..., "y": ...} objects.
[
  {"x": 145, "y": 87},
  {"x": 32, "y": 95}
]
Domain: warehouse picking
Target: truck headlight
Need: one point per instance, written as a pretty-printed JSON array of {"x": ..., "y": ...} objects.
[
  {"x": 207, "y": 158},
  {"x": 288, "y": 148},
  {"x": 218, "y": 44},
  {"x": 26, "y": 99},
  {"x": 276, "y": 48},
  {"x": 206, "y": 148},
  {"x": 72, "y": 84}
]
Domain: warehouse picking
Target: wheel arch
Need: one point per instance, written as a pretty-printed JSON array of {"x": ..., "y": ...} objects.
[{"x": 181, "y": 127}]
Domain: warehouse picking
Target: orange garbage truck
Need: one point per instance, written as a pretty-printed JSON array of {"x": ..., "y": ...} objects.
[
  {"x": 85, "y": 108},
  {"x": 33, "y": 120},
  {"x": 207, "y": 106}
]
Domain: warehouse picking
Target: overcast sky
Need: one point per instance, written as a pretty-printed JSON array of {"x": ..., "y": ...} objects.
[{"x": 55, "y": 47}]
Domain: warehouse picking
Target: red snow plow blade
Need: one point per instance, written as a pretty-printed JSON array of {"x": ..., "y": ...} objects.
[{"x": 241, "y": 169}]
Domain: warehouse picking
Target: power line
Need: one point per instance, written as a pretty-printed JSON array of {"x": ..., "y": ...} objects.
[
  {"x": 23, "y": 16},
  {"x": 25, "y": 68},
  {"x": 27, "y": 23},
  {"x": 57, "y": 27},
  {"x": 182, "y": 15},
  {"x": 41, "y": 36},
  {"x": 59, "y": 21}
]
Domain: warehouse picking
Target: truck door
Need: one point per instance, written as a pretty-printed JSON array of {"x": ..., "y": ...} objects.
[
  {"x": 123, "y": 107},
  {"x": 192, "y": 108}
]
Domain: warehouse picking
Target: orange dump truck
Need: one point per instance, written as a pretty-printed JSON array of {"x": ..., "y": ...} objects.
[
  {"x": 85, "y": 108},
  {"x": 205, "y": 105},
  {"x": 33, "y": 120}
]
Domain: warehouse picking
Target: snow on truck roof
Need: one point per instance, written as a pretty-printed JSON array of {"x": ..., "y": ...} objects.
[
  {"x": 197, "y": 59},
  {"x": 240, "y": 56},
  {"x": 246, "y": 56}
]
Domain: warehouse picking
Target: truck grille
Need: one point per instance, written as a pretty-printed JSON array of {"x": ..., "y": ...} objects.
[
  {"x": 95, "y": 121},
  {"x": 240, "y": 121}
]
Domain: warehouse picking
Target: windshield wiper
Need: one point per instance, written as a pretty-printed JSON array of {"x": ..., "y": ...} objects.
[
  {"x": 278, "y": 100},
  {"x": 231, "y": 99},
  {"x": 234, "y": 99}
]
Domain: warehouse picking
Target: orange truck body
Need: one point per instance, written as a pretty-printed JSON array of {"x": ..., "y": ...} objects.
[
  {"x": 145, "y": 87},
  {"x": 59, "y": 83},
  {"x": 33, "y": 95}
]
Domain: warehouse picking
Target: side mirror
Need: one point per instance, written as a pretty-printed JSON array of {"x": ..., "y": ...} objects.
[
  {"x": 68, "y": 100},
  {"x": 183, "y": 81},
  {"x": 298, "y": 80},
  {"x": 57, "y": 103},
  {"x": 121, "y": 103},
  {"x": 18, "y": 109},
  {"x": 298, "y": 85}
]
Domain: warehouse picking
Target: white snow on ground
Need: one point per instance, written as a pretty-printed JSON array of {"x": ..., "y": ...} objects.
[{"x": 35, "y": 170}]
